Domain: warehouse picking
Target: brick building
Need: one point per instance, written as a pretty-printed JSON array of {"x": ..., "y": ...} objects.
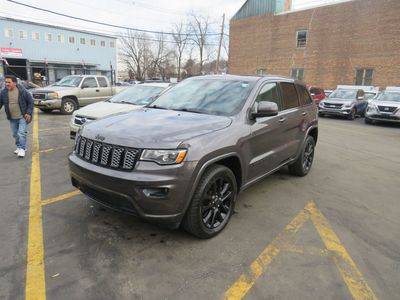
[{"x": 352, "y": 42}]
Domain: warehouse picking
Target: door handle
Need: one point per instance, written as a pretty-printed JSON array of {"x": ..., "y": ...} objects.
[
  {"x": 281, "y": 120},
  {"x": 97, "y": 90},
  {"x": 304, "y": 113}
]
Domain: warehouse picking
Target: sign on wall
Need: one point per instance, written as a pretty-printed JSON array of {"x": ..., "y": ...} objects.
[{"x": 11, "y": 52}]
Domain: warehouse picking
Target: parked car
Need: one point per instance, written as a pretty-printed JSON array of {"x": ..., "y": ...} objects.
[
  {"x": 130, "y": 99},
  {"x": 184, "y": 158},
  {"x": 74, "y": 91},
  {"x": 347, "y": 101},
  {"x": 317, "y": 94},
  {"x": 385, "y": 108}
]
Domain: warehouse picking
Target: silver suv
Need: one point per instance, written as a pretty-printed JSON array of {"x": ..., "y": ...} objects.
[
  {"x": 386, "y": 108},
  {"x": 184, "y": 158}
]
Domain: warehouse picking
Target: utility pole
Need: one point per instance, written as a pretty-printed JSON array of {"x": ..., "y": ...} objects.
[{"x": 220, "y": 44}]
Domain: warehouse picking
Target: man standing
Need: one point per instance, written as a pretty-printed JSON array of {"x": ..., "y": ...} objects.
[{"x": 18, "y": 104}]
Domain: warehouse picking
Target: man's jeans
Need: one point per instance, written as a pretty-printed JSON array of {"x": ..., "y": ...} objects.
[{"x": 19, "y": 130}]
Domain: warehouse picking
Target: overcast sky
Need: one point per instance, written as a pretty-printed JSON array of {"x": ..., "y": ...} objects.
[{"x": 154, "y": 15}]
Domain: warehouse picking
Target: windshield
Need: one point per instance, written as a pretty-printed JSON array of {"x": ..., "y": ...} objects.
[
  {"x": 389, "y": 96},
  {"x": 69, "y": 81},
  {"x": 344, "y": 94},
  {"x": 369, "y": 96},
  {"x": 208, "y": 96},
  {"x": 138, "y": 95}
]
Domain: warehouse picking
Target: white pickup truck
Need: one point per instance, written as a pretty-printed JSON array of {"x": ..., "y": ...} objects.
[{"x": 74, "y": 91}]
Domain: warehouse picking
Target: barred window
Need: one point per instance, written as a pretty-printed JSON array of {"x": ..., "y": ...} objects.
[{"x": 301, "y": 37}]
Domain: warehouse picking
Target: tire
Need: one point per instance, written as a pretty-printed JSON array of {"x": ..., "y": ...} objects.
[
  {"x": 301, "y": 167},
  {"x": 321, "y": 115},
  {"x": 68, "y": 106},
  {"x": 207, "y": 216},
  {"x": 352, "y": 115},
  {"x": 46, "y": 110}
]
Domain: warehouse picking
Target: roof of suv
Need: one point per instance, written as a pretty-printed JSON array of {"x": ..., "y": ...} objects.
[{"x": 248, "y": 77}]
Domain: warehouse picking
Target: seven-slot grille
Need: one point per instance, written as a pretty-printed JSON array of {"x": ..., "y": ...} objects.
[
  {"x": 387, "y": 108},
  {"x": 106, "y": 155},
  {"x": 333, "y": 105}
]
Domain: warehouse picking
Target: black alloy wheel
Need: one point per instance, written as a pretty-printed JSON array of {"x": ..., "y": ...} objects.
[
  {"x": 212, "y": 203},
  {"x": 217, "y": 202}
]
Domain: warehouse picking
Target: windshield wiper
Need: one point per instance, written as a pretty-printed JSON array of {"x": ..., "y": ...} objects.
[
  {"x": 157, "y": 107},
  {"x": 189, "y": 110},
  {"x": 126, "y": 102}
]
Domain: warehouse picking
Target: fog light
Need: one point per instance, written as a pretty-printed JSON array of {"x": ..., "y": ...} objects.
[{"x": 156, "y": 192}]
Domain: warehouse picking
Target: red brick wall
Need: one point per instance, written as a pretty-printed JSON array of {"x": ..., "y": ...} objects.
[{"x": 341, "y": 38}]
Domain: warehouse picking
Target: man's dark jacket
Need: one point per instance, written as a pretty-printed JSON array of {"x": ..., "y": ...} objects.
[{"x": 25, "y": 101}]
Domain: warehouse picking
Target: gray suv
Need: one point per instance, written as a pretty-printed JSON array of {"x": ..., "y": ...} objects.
[{"x": 183, "y": 159}]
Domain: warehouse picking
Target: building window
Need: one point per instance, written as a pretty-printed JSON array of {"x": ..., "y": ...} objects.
[
  {"x": 261, "y": 72},
  {"x": 83, "y": 41},
  {"x": 48, "y": 37},
  {"x": 92, "y": 42},
  {"x": 364, "y": 76},
  {"x": 60, "y": 38},
  {"x": 301, "y": 38},
  {"x": 112, "y": 44},
  {"x": 23, "y": 35},
  {"x": 8, "y": 33},
  {"x": 297, "y": 74},
  {"x": 102, "y": 43},
  {"x": 35, "y": 36},
  {"x": 71, "y": 40}
]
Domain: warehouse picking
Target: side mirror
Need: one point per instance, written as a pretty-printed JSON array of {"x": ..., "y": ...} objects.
[{"x": 265, "y": 109}]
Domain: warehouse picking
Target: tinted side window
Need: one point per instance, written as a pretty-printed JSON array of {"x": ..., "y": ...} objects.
[
  {"x": 303, "y": 95},
  {"x": 269, "y": 92},
  {"x": 289, "y": 95},
  {"x": 90, "y": 83},
  {"x": 102, "y": 81}
]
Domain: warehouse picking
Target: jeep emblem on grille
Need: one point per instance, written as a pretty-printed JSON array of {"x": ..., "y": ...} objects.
[
  {"x": 387, "y": 108},
  {"x": 99, "y": 137}
]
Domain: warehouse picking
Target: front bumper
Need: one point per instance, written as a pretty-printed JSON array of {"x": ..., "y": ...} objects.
[
  {"x": 48, "y": 104},
  {"x": 333, "y": 111},
  {"x": 156, "y": 193},
  {"x": 383, "y": 118}
]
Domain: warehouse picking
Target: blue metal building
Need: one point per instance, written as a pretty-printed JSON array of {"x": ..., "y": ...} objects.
[
  {"x": 30, "y": 50},
  {"x": 252, "y": 8}
]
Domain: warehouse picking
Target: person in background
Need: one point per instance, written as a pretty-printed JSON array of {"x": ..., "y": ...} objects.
[{"x": 18, "y": 105}]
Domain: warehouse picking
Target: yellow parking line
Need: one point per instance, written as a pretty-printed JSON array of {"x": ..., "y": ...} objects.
[
  {"x": 54, "y": 149},
  {"x": 353, "y": 278},
  {"x": 35, "y": 274},
  {"x": 245, "y": 282},
  {"x": 61, "y": 197}
]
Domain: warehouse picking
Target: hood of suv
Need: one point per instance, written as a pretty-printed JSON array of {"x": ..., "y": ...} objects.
[
  {"x": 338, "y": 101},
  {"x": 386, "y": 103},
  {"x": 50, "y": 89},
  {"x": 153, "y": 128},
  {"x": 104, "y": 109}
]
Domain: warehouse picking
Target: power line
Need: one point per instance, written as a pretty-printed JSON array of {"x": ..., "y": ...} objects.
[
  {"x": 120, "y": 35},
  {"x": 103, "y": 23}
]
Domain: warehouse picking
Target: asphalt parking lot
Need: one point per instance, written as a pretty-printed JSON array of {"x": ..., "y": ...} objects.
[{"x": 334, "y": 234}]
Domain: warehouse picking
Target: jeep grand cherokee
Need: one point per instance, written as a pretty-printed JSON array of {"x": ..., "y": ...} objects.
[{"x": 184, "y": 158}]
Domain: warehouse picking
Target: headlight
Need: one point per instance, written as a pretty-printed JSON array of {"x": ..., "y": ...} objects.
[
  {"x": 321, "y": 104},
  {"x": 51, "y": 96},
  {"x": 164, "y": 157},
  {"x": 372, "y": 108}
]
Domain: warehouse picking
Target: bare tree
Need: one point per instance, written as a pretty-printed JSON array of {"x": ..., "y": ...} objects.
[
  {"x": 180, "y": 37},
  {"x": 199, "y": 27},
  {"x": 136, "y": 53},
  {"x": 161, "y": 57}
]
